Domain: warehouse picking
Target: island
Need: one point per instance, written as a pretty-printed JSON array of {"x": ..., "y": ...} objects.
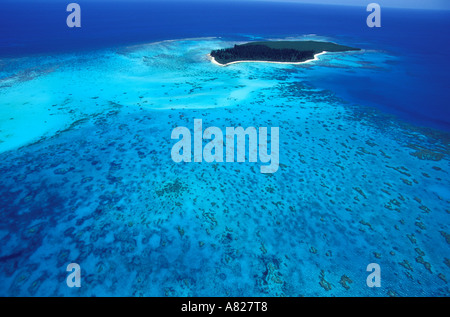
[{"x": 286, "y": 52}]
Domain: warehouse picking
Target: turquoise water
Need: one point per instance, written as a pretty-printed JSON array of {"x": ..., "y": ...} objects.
[{"x": 87, "y": 177}]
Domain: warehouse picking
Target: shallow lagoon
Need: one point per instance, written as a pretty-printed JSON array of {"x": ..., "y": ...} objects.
[{"x": 87, "y": 177}]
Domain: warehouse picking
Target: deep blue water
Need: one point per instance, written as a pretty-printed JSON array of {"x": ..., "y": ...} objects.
[
  {"x": 354, "y": 187},
  {"x": 419, "y": 37}
]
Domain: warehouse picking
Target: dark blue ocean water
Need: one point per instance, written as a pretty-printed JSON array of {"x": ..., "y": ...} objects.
[
  {"x": 106, "y": 194},
  {"x": 420, "y": 38}
]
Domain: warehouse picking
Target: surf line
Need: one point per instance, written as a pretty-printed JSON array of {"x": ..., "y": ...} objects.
[{"x": 213, "y": 60}]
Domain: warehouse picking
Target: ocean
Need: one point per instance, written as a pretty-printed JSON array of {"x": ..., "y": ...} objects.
[
  {"x": 85, "y": 140},
  {"x": 417, "y": 35}
]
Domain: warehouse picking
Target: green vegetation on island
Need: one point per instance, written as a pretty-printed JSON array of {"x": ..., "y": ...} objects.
[{"x": 277, "y": 51}]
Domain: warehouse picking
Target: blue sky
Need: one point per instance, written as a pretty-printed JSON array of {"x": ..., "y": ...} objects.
[{"x": 414, "y": 4}]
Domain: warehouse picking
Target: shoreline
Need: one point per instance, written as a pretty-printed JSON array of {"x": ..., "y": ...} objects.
[{"x": 213, "y": 60}]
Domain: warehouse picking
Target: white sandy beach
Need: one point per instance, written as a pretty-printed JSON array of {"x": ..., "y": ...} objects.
[{"x": 213, "y": 60}]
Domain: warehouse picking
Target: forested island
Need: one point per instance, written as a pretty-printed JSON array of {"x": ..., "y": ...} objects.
[{"x": 276, "y": 51}]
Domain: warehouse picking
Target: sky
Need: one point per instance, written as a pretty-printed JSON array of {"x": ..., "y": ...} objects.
[{"x": 412, "y": 4}]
